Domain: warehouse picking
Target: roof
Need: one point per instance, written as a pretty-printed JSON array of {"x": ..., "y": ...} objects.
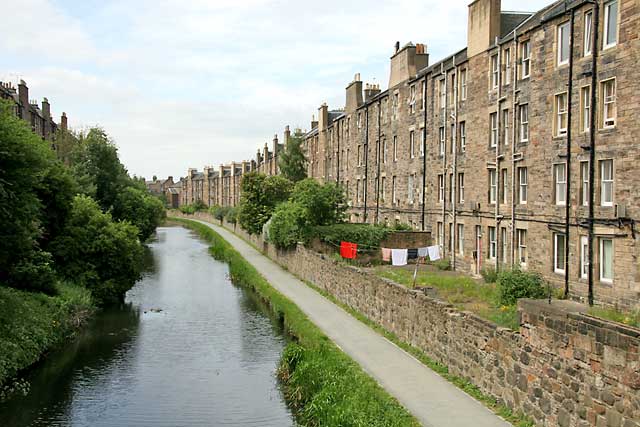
[{"x": 510, "y": 20}]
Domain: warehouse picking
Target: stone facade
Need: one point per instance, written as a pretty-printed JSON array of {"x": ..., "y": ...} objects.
[{"x": 490, "y": 148}]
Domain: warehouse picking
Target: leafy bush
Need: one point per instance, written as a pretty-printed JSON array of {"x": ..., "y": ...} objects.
[
  {"x": 139, "y": 208},
  {"x": 292, "y": 162},
  {"x": 289, "y": 225},
  {"x": 402, "y": 227},
  {"x": 366, "y": 235},
  {"x": 442, "y": 264},
  {"x": 199, "y": 206},
  {"x": 325, "y": 203},
  {"x": 515, "y": 284},
  {"x": 489, "y": 274},
  {"x": 35, "y": 272},
  {"x": 219, "y": 212},
  {"x": 260, "y": 196},
  {"x": 232, "y": 215},
  {"x": 98, "y": 253},
  {"x": 187, "y": 209}
]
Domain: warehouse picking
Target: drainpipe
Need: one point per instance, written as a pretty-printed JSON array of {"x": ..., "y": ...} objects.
[
  {"x": 338, "y": 153},
  {"x": 454, "y": 182},
  {"x": 424, "y": 148},
  {"x": 592, "y": 141},
  {"x": 513, "y": 147},
  {"x": 366, "y": 162},
  {"x": 498, "y": 117},
  {"x": 568, "y": 167},
  {"x": 378, "y": 174},
  {"x": 444, "y": 158}
]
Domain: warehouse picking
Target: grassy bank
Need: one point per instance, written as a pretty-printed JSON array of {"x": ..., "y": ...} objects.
[
  {"x": 323, "y": 385},
  {"x": 32, "y": 323}
]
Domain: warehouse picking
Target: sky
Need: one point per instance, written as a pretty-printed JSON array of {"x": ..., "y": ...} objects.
[{"x": 193, "y": 83}]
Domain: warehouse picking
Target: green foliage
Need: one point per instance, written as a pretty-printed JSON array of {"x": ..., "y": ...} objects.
[
  {"x": 324, "y": 386},
  {"x": 631, "y": 318},
  {"x": 34, "y": 272},
  {"x": 139, "y": 208},
  {"x": 366, "y": 235},
  {"x": 260, "y": 196},
  {"x": 102, "y": 255},
  {"x": 515, "y": 284},
  {"x": 489, "y": 274},
  {"x": 219, "y": 212},
  {"x": 442, "y": 264},
  {"x": 232, "y": 215},
  {"x": 292, "y": 162},
  {"x": 199, "y": 206},
  {"x": 187, "y": 209},
  {"x": 289, "y": 225},
  {"x": 400, "y": 226},
  {"x": 31, "y": 323},
  {"x": 325, "y": 203}
]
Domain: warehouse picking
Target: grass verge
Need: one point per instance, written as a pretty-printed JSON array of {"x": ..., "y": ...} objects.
[
  {"x": 627, "y": 318},
  {"x": 322, "y": 384},
  {"x": 32, "y": 323}
]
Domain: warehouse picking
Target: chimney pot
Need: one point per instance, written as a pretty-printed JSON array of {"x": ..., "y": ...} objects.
[{"x": 397, "y": 46}]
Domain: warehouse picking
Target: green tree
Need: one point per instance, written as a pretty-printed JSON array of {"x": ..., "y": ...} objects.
[
  {"x": 93, "y": 250},
  {"x": 326, "y": 204},
  {"x": 289, "y": 225},
  {"x": 139, "y": 208},
  {"x": 260, "y": 196},
  {"x": 293, "y": 163}
]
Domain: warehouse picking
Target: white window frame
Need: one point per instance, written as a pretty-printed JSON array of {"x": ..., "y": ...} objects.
[
  {"x": 560, "y": 183},
  {"x": 609, "y": 103},
  {"x": 521, "y": 236},
  {"x": 526, "y": 59},
  {"x": 384, "y": 151},
  {"x": 440, "y": 230},
  {"x": 495, "y": 72},
  {"x": 562, "y": 114},
  {"x": 412, "y": 143},
  {"x": 412, "y": 99},
  {"x": 410, "y": 188},
  {"x": 606, "y": 180},
  {"x": 442, "y": 85},
  {"x": 505, "y": 188},
  {"x": 523, "y": 185},
  {"x": 563, "y": 30},
  {"x": 493, "y": 244},
  {"x": 587, "y": 39},
  {"x": 493, "y": 186},
  {"x": 383, "y": 185},
  {"x": 493, "y": 139},
  {"x": 606, "y": 43},
  {"x": 463, "y": 136},
  {"x": 585, "y": 108},
  {"x": 394, "y": 193},
  {"x": 560, "y": 269},
  {"x": 602, "y": 259},
  {"x": 442, "y": 140},
  {"x": 504, "y": 245},
  {"x": 507, "y": 66},
  {"x": 584, "y": 183},
  {"x": 395, "y": 148},
  {"x": 422, "y": 143},
  {"x": 440, "y": 188},
  {"x": 461, "y": 187},
  {"x": 463, "y": 84},
  {"x": 461, "y": 239},
  {"x": 523, "y": 114},
  {"x": 505, "y": 126},
  {"x": 584, "y": 257},
  {"x": 395, "y": 105}
]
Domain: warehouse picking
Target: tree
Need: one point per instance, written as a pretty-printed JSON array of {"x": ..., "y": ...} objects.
[
  {"x": 289, "y": 225},
  {"x": 260, "y": 196},
  {"x": 93, "y": 250},
  {"x": 139, "y": 208},
  {"x": 325, "y": 203},
  {"x": 293, "y": 163}
]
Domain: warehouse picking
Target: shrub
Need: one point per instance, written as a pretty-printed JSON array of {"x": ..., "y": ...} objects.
[
  {"x": 35, "y": 272},
  {"x": 402, "y": 227},
  {"x": 289, "y": 225},
  {"x": 365, "y": 235},
  {"x": 442, "y": 264},
  {"x": 219, "y": 212},
  {"x": 232, "y": 215},
  {"x": 515, "y": 284},
  {"x": 260, "y": 196},
  {"x": 489, "y": 274},
  {"x": 187, "y": 209},
  {"x": 325, "y": 203},
  {"x": 139, "y": 208},
  {"x": 199, "y": 206}
]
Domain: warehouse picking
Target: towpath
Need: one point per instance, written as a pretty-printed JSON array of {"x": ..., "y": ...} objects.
[{"x": 429, "y": 397}]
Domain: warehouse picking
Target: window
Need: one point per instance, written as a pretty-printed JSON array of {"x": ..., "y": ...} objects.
[
  {"x": 424, "y": 95},
  {"x": 507, "y": 66},
  {"x": 394, "y": 198},
  {"x": 358, "y": 195},
  {"x": 504, "y": 246},
  {"x": 522, "y": 185},
  {"x": 561, "y": 114},
  {"x": 452, "y": 93},
  {"x": 493, "y": 186},
  {"x": 526, "y": 59},
  {"x": 384, "y": 151},
  {"x": 412, "y": 148},
  {"x": 505, "y": 127},
  {"x": 463, "y": 136},
  {"x": 410, "y": 188},
  {"x": 585, "y": 108},
  {"x": 610, "y": 24},
  {"x": 440, "y": 188},
  {"x": 461, "y": 188},
  {"x": 584, "y": 181},
  {"x": 524, "y": 123},
  {"x": 558, "y": 252},
  {"x": 396, "y": 101},
  {"x": 395, "y": 148},
  {"x": 521, "y": 235},
  {"x": 562, "y": 45},
  {"x": 608, "y": 103},
  {"x": 463, "y": 85},
  {"x": 412, "y": 99},
  {"x": 421, "y": 186},
  {"x": 359, "y": 156},
  {"x": 505, "y": 187},
  {"x": 383, "y": 189},
  {"x": 359, "y": 121},
  {"x": 584, "y": 257},
  {"x": 452, "y": 134},
  {"x": 347, "y": 160},
  {"x": 450, "y": 188},
  {"x": 422, "y": 143},
  {"x": 606, "y": 260},
  {"x": 442, "y": 141},
  {"x": 440, "y": 234},
  {"x": 493, "y": 245},
  {"x": 606, "y": 182},
  {"x": 495, "y": 72},
  {"x": 588, "y": 33},
  {"x": 443, "y": 93},
  {"x": 493, "y": 118},
  {"x": 452, "y": 238},
  {"x": 461, "y": 239},
  {"x": 560, "y": 183}
]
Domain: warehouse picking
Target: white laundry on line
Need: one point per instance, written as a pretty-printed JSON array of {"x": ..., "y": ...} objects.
[
  {"x": 399, "y": 257},
  {"x": 434, "y": 253}
]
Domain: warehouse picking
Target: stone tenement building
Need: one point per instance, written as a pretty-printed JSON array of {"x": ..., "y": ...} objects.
[
  {"x": 515, "y": 150},
  {"x": 39, "y": 117}
]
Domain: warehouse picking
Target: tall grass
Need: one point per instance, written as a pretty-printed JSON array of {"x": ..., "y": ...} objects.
[{"x": 322, "y": 384}]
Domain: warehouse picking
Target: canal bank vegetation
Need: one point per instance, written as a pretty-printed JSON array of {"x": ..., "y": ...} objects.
[
  {"x": 71, "y": 234},
  {"x": 323, "y": 385}
]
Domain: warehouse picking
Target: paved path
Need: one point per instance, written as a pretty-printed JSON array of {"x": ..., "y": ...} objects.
[{"x": 430, "y": 398}]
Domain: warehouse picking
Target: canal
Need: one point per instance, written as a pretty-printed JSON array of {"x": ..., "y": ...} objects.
[{"x": 187, "y": 349}]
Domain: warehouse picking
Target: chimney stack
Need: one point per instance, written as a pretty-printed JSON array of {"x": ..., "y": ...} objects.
[
  {"x": 287, "y": 134},
  {"x": 323, "y": 116},
  {"x": 354, "y": 94},
  {"x": 371, "y": 91},
  {"x": 406, "y": 63},
  {"x": 63, "y": 122},
  {"x": 46, "y": 109},
  {"x": 23, "y": 97},
  {"x": 314, "y": 122},
  {"x": 483, "y": 25}
]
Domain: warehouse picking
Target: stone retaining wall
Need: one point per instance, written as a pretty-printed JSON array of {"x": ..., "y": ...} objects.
[{"x": 563, "y": 368}]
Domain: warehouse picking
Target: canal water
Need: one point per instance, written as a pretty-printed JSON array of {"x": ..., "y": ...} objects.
[{"x": 187, "y": 349}]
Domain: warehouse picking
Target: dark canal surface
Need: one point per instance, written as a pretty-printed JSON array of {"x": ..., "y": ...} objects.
[{"x": 207, "y": 359}]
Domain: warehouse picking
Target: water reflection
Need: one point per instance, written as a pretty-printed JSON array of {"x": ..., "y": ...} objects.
[{"x": 188, "y": 349}]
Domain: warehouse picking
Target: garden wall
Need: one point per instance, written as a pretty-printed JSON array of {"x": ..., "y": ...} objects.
[{"x": 563, "y": 368}]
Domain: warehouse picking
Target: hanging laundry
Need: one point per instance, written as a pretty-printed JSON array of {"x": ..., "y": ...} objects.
[
  {"x": 423, "y": 252},
  {"x": 434, "y": 252},
  {"x": 412, "y": 253},
  {"x": 386, "y": 254},
  {"x": 348, "y": 250},
  {"x": 399, "y": 257}
]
